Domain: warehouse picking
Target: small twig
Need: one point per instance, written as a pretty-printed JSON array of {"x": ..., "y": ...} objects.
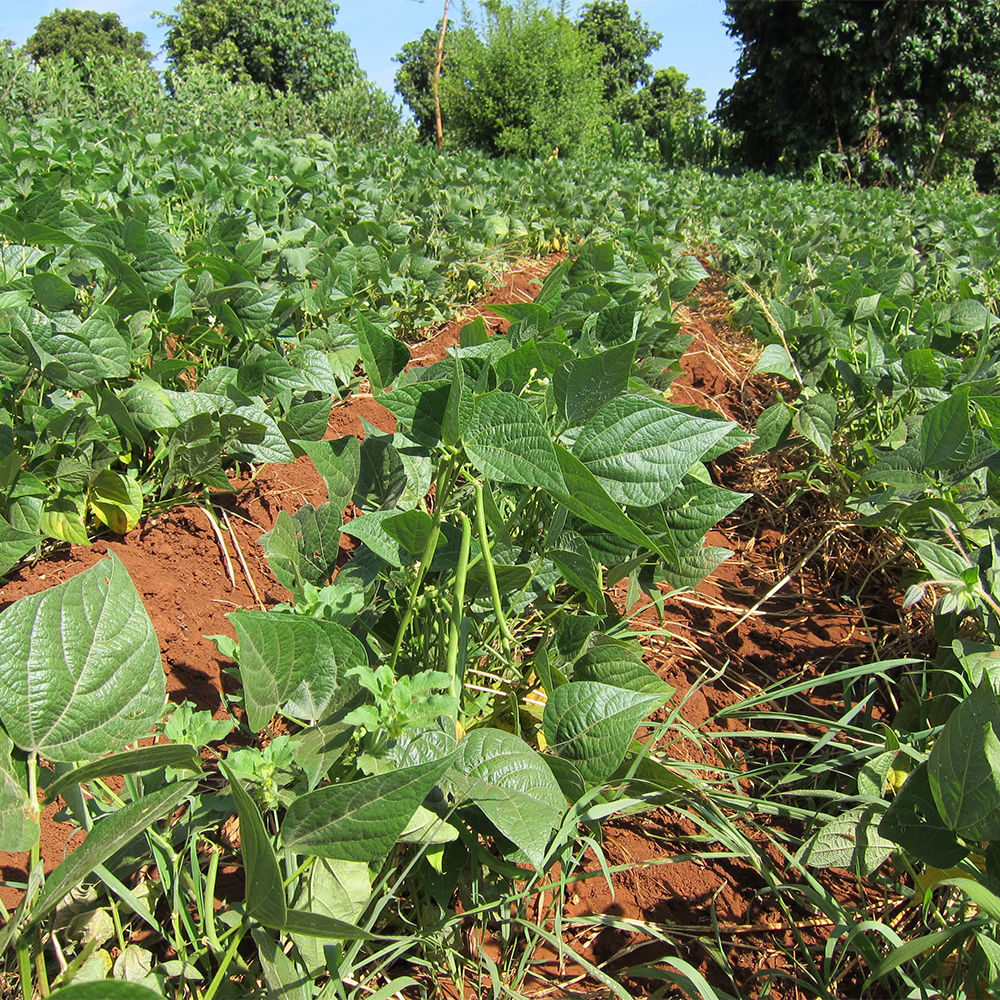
[
  {"x": 217, "y": 531},
  {"x": 243, "y": 562},
  {"x": 785, "y": 579}
]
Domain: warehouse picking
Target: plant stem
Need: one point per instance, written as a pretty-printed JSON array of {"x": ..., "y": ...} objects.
[
  {"x": 458, "y": 608},
  {"x": 227, "y": 959}
]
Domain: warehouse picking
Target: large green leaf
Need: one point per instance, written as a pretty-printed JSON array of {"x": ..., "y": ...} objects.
[
  {"x": 851, "y": 840},
  {"x": 943, "y": 432},
  {"x": 304, "y": 547},
  {"x": 639, "y": 449},
  {"x": 285, "y": 656},
  {"x": 619, "y": 665},
  {"x": 14, "y": 545},
  {"x": 592, "y": 724},
  {"x": 182, "y": 756},
  {"x": 507, "y": 442},
  {"x": 359, "y": 820},
  {"x": 335, "y": 889},
  {"x": 912, "y": 821},
  {"x": 816, "y": 419},
  {"x": 384, "y": 356},
  {"x": 964, "y": 767},
  {"x": 573, "y": 558},
  {"x": 583, "y": 386},
  {"x": 80, "y": 671},
  {"x": 513, "y": 786},
  {"x": 339, "y": 463},
  {"x": 105, "y": 989},
  {"x": 587, "y": 498}
]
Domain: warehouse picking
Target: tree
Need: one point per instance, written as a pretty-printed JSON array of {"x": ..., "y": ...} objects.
[
  {"x": 624, "y": 44},
  {"x": 526, "y": 84},
  {"x": 288, "y": 45},
  {"x": 665, "y": 101},
  {"x": 81, "y": 34},
  {"x": 894, "y": 88}
]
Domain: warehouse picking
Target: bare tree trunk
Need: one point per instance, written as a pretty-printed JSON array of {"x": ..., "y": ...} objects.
[
  {"x": 951, "y": 113},
  {"x": 436, "y": 81}
]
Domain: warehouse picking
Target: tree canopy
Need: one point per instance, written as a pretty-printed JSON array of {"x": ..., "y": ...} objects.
[
  {"x": 897, "y": 89},
  {"x": 624, "y": 44},
  {"x": 82, "y": 34},
  {"x": 518, "y": 80},
  {"x": 288, "y": 45}
]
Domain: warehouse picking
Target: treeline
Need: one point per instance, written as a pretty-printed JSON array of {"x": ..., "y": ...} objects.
[
  {"x": 521, "y": 79},
  {"x": 876, "y": 92}
]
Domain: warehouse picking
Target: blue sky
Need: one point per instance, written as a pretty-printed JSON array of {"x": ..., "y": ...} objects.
[{"x": 694, "y": 39}]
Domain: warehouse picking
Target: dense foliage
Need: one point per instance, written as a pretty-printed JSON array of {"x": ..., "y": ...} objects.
[
  {"x": 287, "y": 45},
  {"x": 202, "y": 99},
  {"x": 521, "y": 80},
  {"x": 624, "y": 42},
  {"x": 895, "y": 91},
  {"x": 83, "y": 35}
]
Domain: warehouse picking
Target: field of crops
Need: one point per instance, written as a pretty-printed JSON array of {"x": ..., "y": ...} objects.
[{"x": 494, "y": 676}]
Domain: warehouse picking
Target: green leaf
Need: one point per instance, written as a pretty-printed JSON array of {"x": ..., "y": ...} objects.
[
  {"x": 52, "y": 292},
  {"x": 359, "y": 820},
  {"x": 18, "y": 822},
  {"x": 773, "y": 427},
  {"x": 339, "y": 463},
  {"x": 943, "y": 431},
  {"x": 338, "y": 890},
  {"x": 912, "y": 821},
  {"x": 64, "y": 518},
  {"x": 572, "y": 556},
  {"x": 80, "y": 671},
  {"x": 506, "y": 441},
  {"x": 285, "y": 656},
  {"x": 816, "y": 420},
  {"x": 774, "y": 359},
  {"x": 851, "y": 840},
  {"x": 513, "y": 786},
  {"x": 265, "y": 890},
  {"x": 592, "y": 724},
  {"x": 105, "y": 837},
  {"x": 581, "y": 387},
  {"x": 384, "y": 356},
  {"x": 304, "y": 547},
  {"x": 586, "y": 497},
  {"x": 369, "y": 528},
  {"x": 14, "y": 545},
  {"x": 964, "y": 767},
  {"x": 116, "y": 501},
  {"x": 420, "y": 408},
  {"x": 283, "y": 977},
  {"x": 619, "y": 665},
  {"x": 639, "y": 449},
  {"x": 922, "y": 368},
  {"x": 181, "y": 756}
]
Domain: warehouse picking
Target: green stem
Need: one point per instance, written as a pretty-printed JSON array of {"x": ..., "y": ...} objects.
[
  {"x": 444, "y": 483},
  {"x": 24, "y": 969},
  {"x": 491, "y": 576},
  {"x": 227, "y": 959},
  {"x": 458, "y": 608}
]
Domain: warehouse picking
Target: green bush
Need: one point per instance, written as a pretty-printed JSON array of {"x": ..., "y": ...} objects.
[
  {"x": 202, "y": 98},
  {"x": 525, "y": 85}
]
